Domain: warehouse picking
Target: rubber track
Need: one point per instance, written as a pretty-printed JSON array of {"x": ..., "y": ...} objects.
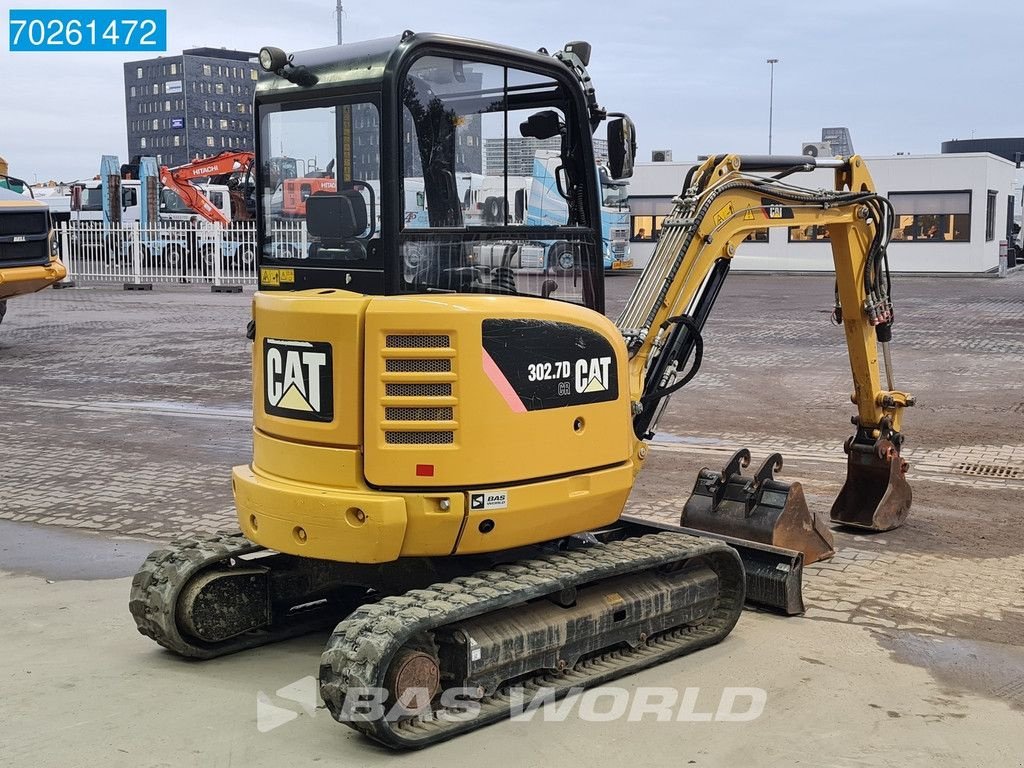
[
  {"x": 361, "y": 647},
  {"x": 160, "y": 579}
]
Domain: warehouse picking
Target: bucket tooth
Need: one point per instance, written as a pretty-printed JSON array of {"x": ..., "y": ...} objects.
[
  {"x": 759, "y": 508},
  {"x": 876, "y": 495}
]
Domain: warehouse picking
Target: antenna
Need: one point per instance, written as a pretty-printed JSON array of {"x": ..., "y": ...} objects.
[{"x": 339, "y": 12}]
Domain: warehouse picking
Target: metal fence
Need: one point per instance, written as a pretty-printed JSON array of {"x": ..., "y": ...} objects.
[
  {"x": 172, "y": 252},
  {"x": 226, "y": 257}
]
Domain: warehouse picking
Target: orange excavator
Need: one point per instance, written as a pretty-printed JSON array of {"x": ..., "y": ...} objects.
[
  {"x": 296, "y": 191},
  {"x": 219, "y": 167}
]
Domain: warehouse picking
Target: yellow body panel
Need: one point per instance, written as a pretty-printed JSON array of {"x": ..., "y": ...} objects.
[
  {"x": 332, "y": 485},
  {"x": 546, "y": 510},
  {"x": 331, "y": 316},
  {"x": 491, "y": 443},
  {"x": 18, "y": 281}
]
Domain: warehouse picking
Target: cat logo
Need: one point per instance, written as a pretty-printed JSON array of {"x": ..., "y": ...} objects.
[
  {"x": 773, "y": 209},
  {"x": 298, "y": 379},
  {"x": 592, "y": 375}
]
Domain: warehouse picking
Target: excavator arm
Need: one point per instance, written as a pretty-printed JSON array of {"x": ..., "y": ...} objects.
[
  {"x": 723, "y": 201},
  {"x": 180, "y": 180}
]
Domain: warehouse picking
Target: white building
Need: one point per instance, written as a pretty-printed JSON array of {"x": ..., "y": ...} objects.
[{"x": 965, "y": 197}]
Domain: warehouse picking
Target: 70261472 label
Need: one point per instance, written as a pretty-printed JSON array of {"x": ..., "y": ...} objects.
[{"x": 81, "y": 30}]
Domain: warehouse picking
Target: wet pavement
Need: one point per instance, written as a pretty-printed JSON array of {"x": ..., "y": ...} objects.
[{"x": 124, "y": 412}]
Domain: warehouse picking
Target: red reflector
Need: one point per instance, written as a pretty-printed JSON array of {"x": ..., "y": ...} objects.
[{"x": 424, "y": 470}]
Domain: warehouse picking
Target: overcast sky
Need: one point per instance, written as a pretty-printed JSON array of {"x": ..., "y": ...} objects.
[{"x": 903, "y": 75}]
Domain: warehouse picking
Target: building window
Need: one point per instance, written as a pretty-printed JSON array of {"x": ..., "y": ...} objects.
[
  {"x": 177, "y": 141},
  {"x": 138, "y": 73},
  {"x": 210, "y": 142},
  {"x": 156, "y": 124},
  {"x": 223, "y": 124},
  {"x": 207, "y": 71},
  {"x": 990, "y": 216},
  {"x": 645, "y": 229},
  {"x": 218, "y": 88},
  {"x": 174, "y": 69},
  {"x": 132, "y": 91},
  {"x": 932, "y": 216},
  {"x": 241, "y": 109},
  {"x": 167, "y": 105},
  {"x": 815, "y": 233},
  {"x": 252, "y": 74},
  {"x": 142, "y": 142}
]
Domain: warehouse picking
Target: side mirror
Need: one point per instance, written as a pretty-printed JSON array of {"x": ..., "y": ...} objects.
[
  {"x": 621, "y": 147},
  {"x": 541, "y": 125}
]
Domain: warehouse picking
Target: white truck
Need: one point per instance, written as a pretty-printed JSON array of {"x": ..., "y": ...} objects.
[{"x": 163, "y": 242}]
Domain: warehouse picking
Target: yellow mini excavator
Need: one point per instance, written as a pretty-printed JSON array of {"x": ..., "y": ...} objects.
[{"x": 446, "y": 426}]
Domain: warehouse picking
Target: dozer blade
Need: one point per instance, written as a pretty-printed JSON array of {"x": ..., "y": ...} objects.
[
  {"x": 774, "y": 576},
  {"x": 759, "y": 508},
  {"x": 876, "y": 495}
]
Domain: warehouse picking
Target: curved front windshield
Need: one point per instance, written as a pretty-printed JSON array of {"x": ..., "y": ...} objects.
[{"x": 330, "y": 152}]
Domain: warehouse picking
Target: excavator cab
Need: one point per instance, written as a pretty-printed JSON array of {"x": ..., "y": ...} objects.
[{"x": 432, "y": 115}]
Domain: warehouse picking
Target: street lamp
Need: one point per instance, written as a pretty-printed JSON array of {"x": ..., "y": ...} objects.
[{"x": 771, "y": 101}]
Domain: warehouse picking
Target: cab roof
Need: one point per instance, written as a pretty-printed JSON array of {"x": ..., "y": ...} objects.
[{"x": 369, "y": 62}]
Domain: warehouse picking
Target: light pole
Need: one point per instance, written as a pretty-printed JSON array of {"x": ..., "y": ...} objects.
[{"x": 771, "y": 101}]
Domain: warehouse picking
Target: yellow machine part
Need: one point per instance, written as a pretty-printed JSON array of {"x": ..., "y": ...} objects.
[
  {"x": 375, "y": 421},
  {"x": 18, "y": 281}
]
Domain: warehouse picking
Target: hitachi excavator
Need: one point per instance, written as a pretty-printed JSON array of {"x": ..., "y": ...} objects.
[
  {"x": 221, "y": 168},
  {"x": 444, "y": 441}
]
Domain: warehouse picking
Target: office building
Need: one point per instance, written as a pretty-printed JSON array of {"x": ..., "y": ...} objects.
[{"x": 193, "y": 105}]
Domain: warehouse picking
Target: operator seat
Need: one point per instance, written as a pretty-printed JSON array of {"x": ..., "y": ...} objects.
[{"x": 337, "y": 219}]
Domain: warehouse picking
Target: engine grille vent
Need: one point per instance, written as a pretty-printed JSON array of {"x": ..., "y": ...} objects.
[
  {"x": 420, "y": 388},
  {"x": 393, "y": 389},
  {"x": 419, "y": 438},
  {"x": 418, "y": 366},
  {"x": 418, "y": 414},
  {"x": 418, "y": 341}
]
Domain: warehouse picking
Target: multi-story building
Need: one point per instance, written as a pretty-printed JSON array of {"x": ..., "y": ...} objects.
[
  {"x": 521, "y": 151},
  {"x": 197, "y": 104}
]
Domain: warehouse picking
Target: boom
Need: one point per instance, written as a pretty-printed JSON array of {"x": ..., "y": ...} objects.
[{"x": 722, "y": 202}]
